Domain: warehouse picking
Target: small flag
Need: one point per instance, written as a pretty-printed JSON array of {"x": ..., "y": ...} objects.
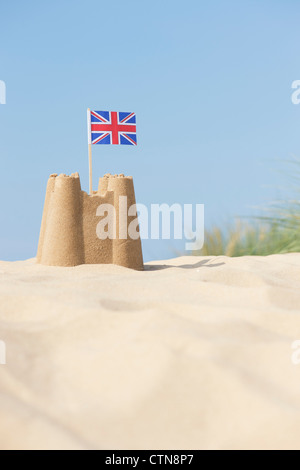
[{"x": 110, "y": 127}]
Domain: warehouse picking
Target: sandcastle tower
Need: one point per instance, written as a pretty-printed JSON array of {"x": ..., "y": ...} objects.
[{"x": 69, "y": 235}]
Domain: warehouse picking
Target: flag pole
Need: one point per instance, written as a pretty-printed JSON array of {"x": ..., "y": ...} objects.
[{"x": 90, "y": 150}]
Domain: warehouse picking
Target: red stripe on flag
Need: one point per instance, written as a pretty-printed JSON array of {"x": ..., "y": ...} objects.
[
  {"x": 127, "y": 137},
  {"x": 98, "y": 116},
  {"x": 100, "y": 138},
  {"x": 128, "y": 117}
]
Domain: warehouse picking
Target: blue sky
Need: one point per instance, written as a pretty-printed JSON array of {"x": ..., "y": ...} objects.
[{"x": 210, "y": 83}]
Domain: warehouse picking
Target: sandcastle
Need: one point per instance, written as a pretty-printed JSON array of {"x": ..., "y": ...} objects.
[{"x": 68, "y": 234}]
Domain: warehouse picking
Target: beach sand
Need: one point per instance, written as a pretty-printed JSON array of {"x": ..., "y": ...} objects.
[{"x": 192, "y": 353}]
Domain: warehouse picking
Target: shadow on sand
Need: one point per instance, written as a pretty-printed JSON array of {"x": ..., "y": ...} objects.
[{"x": 159, "y": 267}]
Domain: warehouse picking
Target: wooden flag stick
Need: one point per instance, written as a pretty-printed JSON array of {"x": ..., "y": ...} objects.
[
  {"x": 90, "y": 150},
  {"x": 90, "y": 168}
]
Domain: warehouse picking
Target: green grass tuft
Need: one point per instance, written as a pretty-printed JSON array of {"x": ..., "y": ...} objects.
[{"x": 277, "y": 232}]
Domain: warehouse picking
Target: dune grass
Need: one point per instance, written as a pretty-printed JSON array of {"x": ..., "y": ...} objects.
[{"x": 276, "y": 232}]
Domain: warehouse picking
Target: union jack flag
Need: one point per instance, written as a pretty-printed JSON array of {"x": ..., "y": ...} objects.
[{"x": 110, "y": 127}]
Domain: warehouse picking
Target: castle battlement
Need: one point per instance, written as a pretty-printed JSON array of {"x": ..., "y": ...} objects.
[{"x": 68, "y": 234}]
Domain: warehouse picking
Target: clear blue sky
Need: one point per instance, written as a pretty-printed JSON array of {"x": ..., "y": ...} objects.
[{"x": 210, "y": 83}]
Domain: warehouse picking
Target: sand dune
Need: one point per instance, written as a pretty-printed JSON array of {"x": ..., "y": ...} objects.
[{"x": 192, "y": 353}]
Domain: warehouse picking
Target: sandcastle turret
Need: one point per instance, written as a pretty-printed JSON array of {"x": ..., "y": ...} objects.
[
  {"x": 126, "y": 250},
  {"x": 69, "y": 232}
]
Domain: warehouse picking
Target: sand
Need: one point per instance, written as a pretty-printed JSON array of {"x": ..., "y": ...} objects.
[{"x": 192, "y": 353}]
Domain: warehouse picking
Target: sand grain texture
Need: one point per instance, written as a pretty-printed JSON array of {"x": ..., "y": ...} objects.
[{"x": 192, "y": 353}]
